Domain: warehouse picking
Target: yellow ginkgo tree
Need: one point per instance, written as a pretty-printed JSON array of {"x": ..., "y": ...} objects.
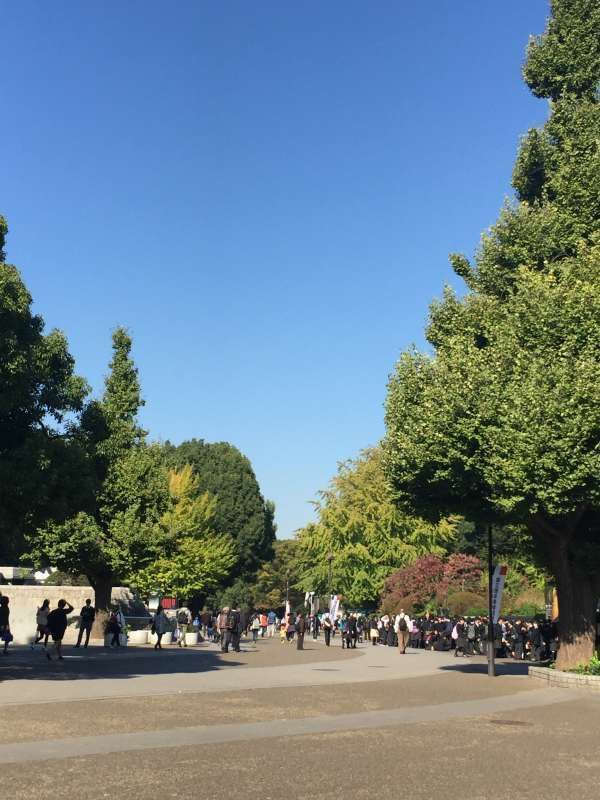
[{"x": 199, "y": 559}]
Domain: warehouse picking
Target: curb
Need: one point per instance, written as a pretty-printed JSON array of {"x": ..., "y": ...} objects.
[{"x": 565, "y": 680}]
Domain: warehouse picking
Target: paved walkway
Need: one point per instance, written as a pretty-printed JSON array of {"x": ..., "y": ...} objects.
[
  {"x": 273, "y": 723},
  {"x": 99, "y": 673},
  {"x": 273, "y": 729}
]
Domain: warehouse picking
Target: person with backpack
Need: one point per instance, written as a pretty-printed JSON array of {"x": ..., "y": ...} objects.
[
  {"x": 232, "y": 631},
  {"x": 402, "y": 626},
  {"x": 184, "y": 618}
]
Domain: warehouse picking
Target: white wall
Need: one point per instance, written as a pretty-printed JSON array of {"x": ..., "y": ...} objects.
[{"x": 25, "y": 601}]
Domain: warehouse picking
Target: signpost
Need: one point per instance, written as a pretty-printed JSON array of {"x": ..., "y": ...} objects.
[{"x": 496, "y": 579}]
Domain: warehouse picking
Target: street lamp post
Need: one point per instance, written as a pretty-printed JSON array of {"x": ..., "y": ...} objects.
[{"x": 491, "y": 647}]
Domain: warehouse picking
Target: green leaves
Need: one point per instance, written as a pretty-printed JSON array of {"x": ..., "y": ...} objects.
[
  {"x": 196, "y": 566},
  {"x": 566, "y": 58},
  {"x": 367, "y": 535},
  {"x": 38, "y": 391},
  {"x": 240, "y": 510}
]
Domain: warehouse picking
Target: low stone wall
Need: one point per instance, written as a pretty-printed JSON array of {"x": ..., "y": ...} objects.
[
  {"x": 565, "y": 680},
  {"x": 25, "y": 601}
]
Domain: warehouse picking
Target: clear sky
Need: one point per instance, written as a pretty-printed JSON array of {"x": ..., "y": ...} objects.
[{"x": 264, "y": 193}]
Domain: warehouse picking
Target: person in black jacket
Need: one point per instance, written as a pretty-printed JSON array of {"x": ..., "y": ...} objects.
[
  {"x": 300, "y": 631},
  {"x": 351, "y": 631},
  {"x": 461, "y": 639},
  {"x": 86, "y": 621},
  {"x": 234, "y": 630},
  {"x": 534, "y": 636},
  {"x": 327, "y": 628},
  {"x": 57, "y": 624},
  {"x": 5, "y": 635}
]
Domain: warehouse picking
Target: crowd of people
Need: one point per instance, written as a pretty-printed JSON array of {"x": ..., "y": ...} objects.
[
  {"x": 520, "y": 639},
  {"x": 517, "y": 638}
]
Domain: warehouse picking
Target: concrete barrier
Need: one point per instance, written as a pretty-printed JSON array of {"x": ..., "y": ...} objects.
[
  {"x": 565, "y": 680},
  {"x": 25, "y": 601}
]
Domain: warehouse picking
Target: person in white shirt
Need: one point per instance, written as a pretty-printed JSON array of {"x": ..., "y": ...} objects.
[{"x": 402, "y": 626}]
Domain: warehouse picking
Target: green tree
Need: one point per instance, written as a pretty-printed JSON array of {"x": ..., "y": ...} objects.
[
  {"x": 122, "y": 531},
  {"x": 502, "y": 423},
  {"x": 241, "y": 509},
  {"x": 365, "y": 532},
  {"x": 197, "y": 560},
  {"x": 196, "y": 566},
  {"x": 42, "y": 468},
  {"x": 277, "y": 575}
]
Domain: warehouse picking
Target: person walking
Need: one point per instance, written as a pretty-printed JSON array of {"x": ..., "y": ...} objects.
[
  {"x": 300, "y": 628},
  {"x": 271, "y": 624},
  {"x": 221, "y": 625},
  {"x": 402, "y": 626},
  {"x": 87, "y": 615},
  {"x": 184, "y": 618},
  {"x": 232, "y": 630},
  {"x": 263, "y": 624},
  {"x": 255, "y": 627},
  {"x": 41, "y": 622},
  {"x": 57, "y": 625},
  {"x": 5, "y": 634},
  {"x": 290, "y": 629},
  {"x": 160, "y": 626}
]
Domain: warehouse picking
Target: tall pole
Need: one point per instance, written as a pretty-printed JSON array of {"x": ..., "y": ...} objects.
[
  {"x": 491, "y": 647},
  {"x": 330, "y": 559}
]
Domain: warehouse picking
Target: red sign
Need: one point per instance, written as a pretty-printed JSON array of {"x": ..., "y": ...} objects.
[{"x": 169, "y": 603}]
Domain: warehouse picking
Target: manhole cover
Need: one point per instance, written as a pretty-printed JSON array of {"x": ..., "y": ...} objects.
[{"x": 514, "y": 722}]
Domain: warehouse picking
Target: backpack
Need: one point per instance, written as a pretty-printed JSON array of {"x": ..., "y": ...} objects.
[
  {"x": 402, "y": 626},
  {"x": 231, "y": 622},
  {"x": 182, "y": 617}
]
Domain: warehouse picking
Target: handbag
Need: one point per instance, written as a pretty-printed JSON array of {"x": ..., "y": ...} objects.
[{"x": 7, "y": 636}]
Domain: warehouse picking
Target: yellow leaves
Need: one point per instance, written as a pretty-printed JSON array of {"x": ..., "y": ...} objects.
[{"x": 189, "y": 513}]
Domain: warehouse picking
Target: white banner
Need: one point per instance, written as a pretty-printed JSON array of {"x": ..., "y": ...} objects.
[
  {"x": 498, "y": 580},
  {"x": 334, "y": 604}
]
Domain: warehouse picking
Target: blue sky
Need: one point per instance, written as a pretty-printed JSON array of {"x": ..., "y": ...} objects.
[{"x": 264, "y": 193}]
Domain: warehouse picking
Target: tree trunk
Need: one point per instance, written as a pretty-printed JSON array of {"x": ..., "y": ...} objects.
[
  {"x": 103, "y": 591},
  {"x": 576, "y": 602}
]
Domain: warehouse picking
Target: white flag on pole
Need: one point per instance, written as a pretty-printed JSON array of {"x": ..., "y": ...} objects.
[{"x": 498, "y": 579}]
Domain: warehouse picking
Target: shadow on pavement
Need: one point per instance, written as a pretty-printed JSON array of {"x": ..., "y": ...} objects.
[
  {"x": 100, "y": 662},
  {"x": 481, "y": 667}
]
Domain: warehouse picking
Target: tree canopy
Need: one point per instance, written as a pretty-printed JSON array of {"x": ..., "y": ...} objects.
[
  {"x": 241, "y": 510},
  {"x": 196, "y": 559},
  {"x": 366, "y": 534},
  {"x": 502, "y": 422},
  {"x": 120, "y": 531},
  {"x": 41, "y": 471}
]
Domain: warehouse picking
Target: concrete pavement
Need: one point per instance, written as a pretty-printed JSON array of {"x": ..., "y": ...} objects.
[{"x": 277, "y": 724}]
